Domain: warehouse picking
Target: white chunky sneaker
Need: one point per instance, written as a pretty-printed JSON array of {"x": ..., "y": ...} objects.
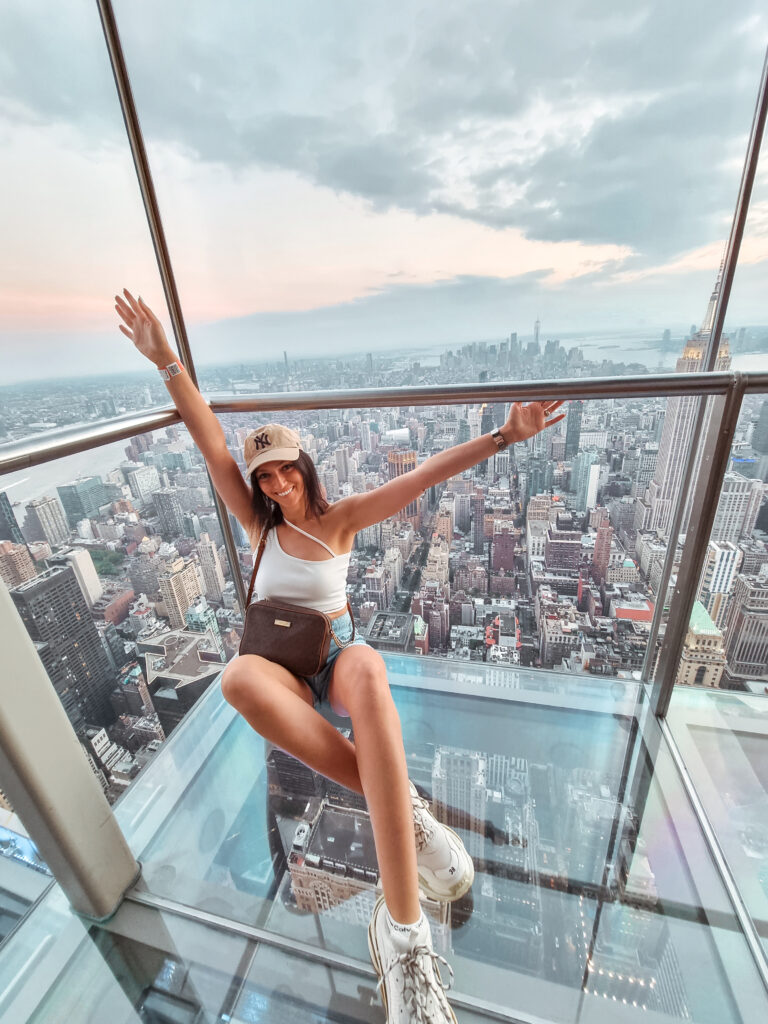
[
  {"x": 410, "y": 984},
  {"x": 445, "y": 868}
]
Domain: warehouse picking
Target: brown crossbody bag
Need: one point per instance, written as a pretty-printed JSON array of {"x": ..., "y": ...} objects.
[{"x": 297, "y": 638}]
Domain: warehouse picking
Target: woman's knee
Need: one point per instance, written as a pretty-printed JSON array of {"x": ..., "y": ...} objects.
[
  {"x": 239, "y": 680},
  {"x": 364, "y": 684}
]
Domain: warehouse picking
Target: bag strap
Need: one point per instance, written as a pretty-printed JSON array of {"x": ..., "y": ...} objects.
[
  {"x": 339, "y": 643},
  {"x": 257, "y": 562}
]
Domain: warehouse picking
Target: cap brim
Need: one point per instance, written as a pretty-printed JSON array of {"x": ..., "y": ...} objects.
[{"x": 272, "y": 455}]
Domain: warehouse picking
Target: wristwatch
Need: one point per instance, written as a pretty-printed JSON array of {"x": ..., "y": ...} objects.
[{"x": 498, "y": 439}]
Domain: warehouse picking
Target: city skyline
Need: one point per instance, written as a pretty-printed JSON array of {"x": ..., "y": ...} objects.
[{"x": 587, "y": 176}]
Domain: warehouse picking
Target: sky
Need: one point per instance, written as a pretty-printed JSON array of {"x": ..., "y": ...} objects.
[{"x": 355, "y": 176}]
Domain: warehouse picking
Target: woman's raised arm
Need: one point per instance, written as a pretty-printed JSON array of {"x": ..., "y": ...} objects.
[
  {"x": 360, "y": 510},
  {"x": 146, "y": 332}
]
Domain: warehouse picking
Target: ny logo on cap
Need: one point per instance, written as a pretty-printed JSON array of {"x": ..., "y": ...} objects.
[{"x": 261, "y": 441}]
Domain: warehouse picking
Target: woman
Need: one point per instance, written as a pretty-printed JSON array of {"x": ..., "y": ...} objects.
[{"x": 305, "y": 559}]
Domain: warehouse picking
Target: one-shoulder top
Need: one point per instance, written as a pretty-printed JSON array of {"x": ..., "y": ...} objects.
[{"x": 320, "y": 585}]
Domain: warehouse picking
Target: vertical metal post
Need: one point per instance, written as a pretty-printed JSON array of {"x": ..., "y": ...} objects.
[
  {"x": 739, "y": 218},
  {"x": 710, "y": 358},
  {"x": 50, "y": 782},
  {"x": 705, "y": 499},
  {"x": 674, "y": 534},
  {"x": 157, "y": 233}
]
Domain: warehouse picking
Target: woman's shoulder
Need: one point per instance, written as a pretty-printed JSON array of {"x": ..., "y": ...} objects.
[
  {"x": 334, "y": 525},
  {"x": 254, "y": 530}
]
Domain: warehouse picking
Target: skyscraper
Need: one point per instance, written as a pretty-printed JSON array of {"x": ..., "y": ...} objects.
[
  {"x": 398, "y": 464},
  {"x": 720, "y": 568},
  {"x": 678, "y": 426},
  {"x": 760, "y": 432},
  {"x": 584, "y": 478},
  {"x": 84, "y": 570},
  {"x": 143, "y": 481},
  {"x": 201, "y": 618},
  {"x": 45, "y": 520},
  {"x": 460, "y": 794},
  {"x": 602, "y": 554},
  {"x": 746, "y": 628},
  {"x": 180, "y": 587},
  {"x": 82, "y": 499},
  {"x": 478, "y": 522},
  {"x": 461, "y": 512},
  {"x": 737, "y": 508},
  {"x": 573, "y": 429},
  {"x": 169, "y": 512},
  {"x": 210, "y": 563},
  {"x": 57, "y": 616},
  {"x": 341, "y": 456},
  {"x": 9, "y": 528},
  {"x": 16, "y": 564}
]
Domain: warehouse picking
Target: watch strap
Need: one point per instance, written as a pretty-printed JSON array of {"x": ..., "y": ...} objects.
[{"x": 498, "y": 438}]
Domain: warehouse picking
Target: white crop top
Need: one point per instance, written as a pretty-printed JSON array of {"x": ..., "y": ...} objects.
[{"x": 320, "y": 585}]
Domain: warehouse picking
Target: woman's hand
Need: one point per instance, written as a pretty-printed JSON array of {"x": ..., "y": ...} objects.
[
  {"x": 526, "y": 420},
  {"x": 144, "y": 329}
]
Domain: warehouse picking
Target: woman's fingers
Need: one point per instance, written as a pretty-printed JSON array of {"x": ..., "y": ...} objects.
[
  {"x": 124, "y": 310},
  {"x": 126, "y": 332},
  {"x": 132, "y": 302}
]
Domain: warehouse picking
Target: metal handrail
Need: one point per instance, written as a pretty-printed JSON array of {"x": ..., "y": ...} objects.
[{"x": 48, "y": 447}]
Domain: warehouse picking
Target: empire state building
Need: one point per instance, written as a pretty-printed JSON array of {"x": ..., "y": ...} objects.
[{"x": 678, "y": 426}]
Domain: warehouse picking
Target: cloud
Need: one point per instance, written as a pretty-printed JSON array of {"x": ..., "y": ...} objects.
[{"x": 589, "y": 123}]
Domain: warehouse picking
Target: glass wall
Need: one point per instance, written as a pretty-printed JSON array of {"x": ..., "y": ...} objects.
[
  {"x": 73, "y": 227},
  {"x": 543, "y": 556},
  {"x": 440, "y": 194},
  {"x": 747, "y": 320},
  {"x": 719, "y": 708},
  {"x": 115, "y": 561}
]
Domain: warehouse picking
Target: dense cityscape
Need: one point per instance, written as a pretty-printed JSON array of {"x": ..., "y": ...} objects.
[{"x": 548, "y": 555}]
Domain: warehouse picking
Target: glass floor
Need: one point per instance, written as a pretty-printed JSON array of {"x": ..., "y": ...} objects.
[{"x": 595, "y": 896}]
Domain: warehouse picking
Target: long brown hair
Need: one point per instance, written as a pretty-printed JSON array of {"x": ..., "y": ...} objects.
[{"x": 268, "y": 512}]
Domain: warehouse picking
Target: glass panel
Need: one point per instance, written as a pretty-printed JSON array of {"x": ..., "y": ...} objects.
[
  {"x": 115, "y": 562},
  {"x": 587, "y": 856},
  {"x": 723, "y": 735},
  {"x": 543, "y": 555},
  {"x": 72, "y": 218},
  {"x": 143, "y": 966},
  {"x": 416, "y": 190},
  {"x": 746, "y": 322}
]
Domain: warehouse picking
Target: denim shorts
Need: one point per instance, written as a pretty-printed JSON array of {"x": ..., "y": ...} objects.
[{"x": 320, "y": 682}]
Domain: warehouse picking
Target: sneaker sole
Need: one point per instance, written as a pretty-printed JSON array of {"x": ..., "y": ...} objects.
[
  {"x": 466, "y": 885},
  {"x": 374, "y": 952},
  {"x": 375, "y": 960}
]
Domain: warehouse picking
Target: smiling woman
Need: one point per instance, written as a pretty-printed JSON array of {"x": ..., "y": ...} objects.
[{"x": 285, "y": 510}]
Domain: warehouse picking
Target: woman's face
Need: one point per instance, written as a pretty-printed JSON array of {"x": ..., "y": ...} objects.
[{"x": 282, "y": 482}]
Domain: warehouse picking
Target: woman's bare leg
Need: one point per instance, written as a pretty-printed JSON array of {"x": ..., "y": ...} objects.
[
  {"x": 359, "y": 685},
  {"x": 279, "y": 707}
]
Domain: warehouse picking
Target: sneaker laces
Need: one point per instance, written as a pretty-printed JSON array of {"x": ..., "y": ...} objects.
[
  {"x": 423, "y": 830},
  {"x": 419, "y": 980}
]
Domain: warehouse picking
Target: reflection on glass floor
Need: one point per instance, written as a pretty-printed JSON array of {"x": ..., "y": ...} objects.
[
  {"x": 595, "y": 898},
  {"x": 723, "y": 739}
]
